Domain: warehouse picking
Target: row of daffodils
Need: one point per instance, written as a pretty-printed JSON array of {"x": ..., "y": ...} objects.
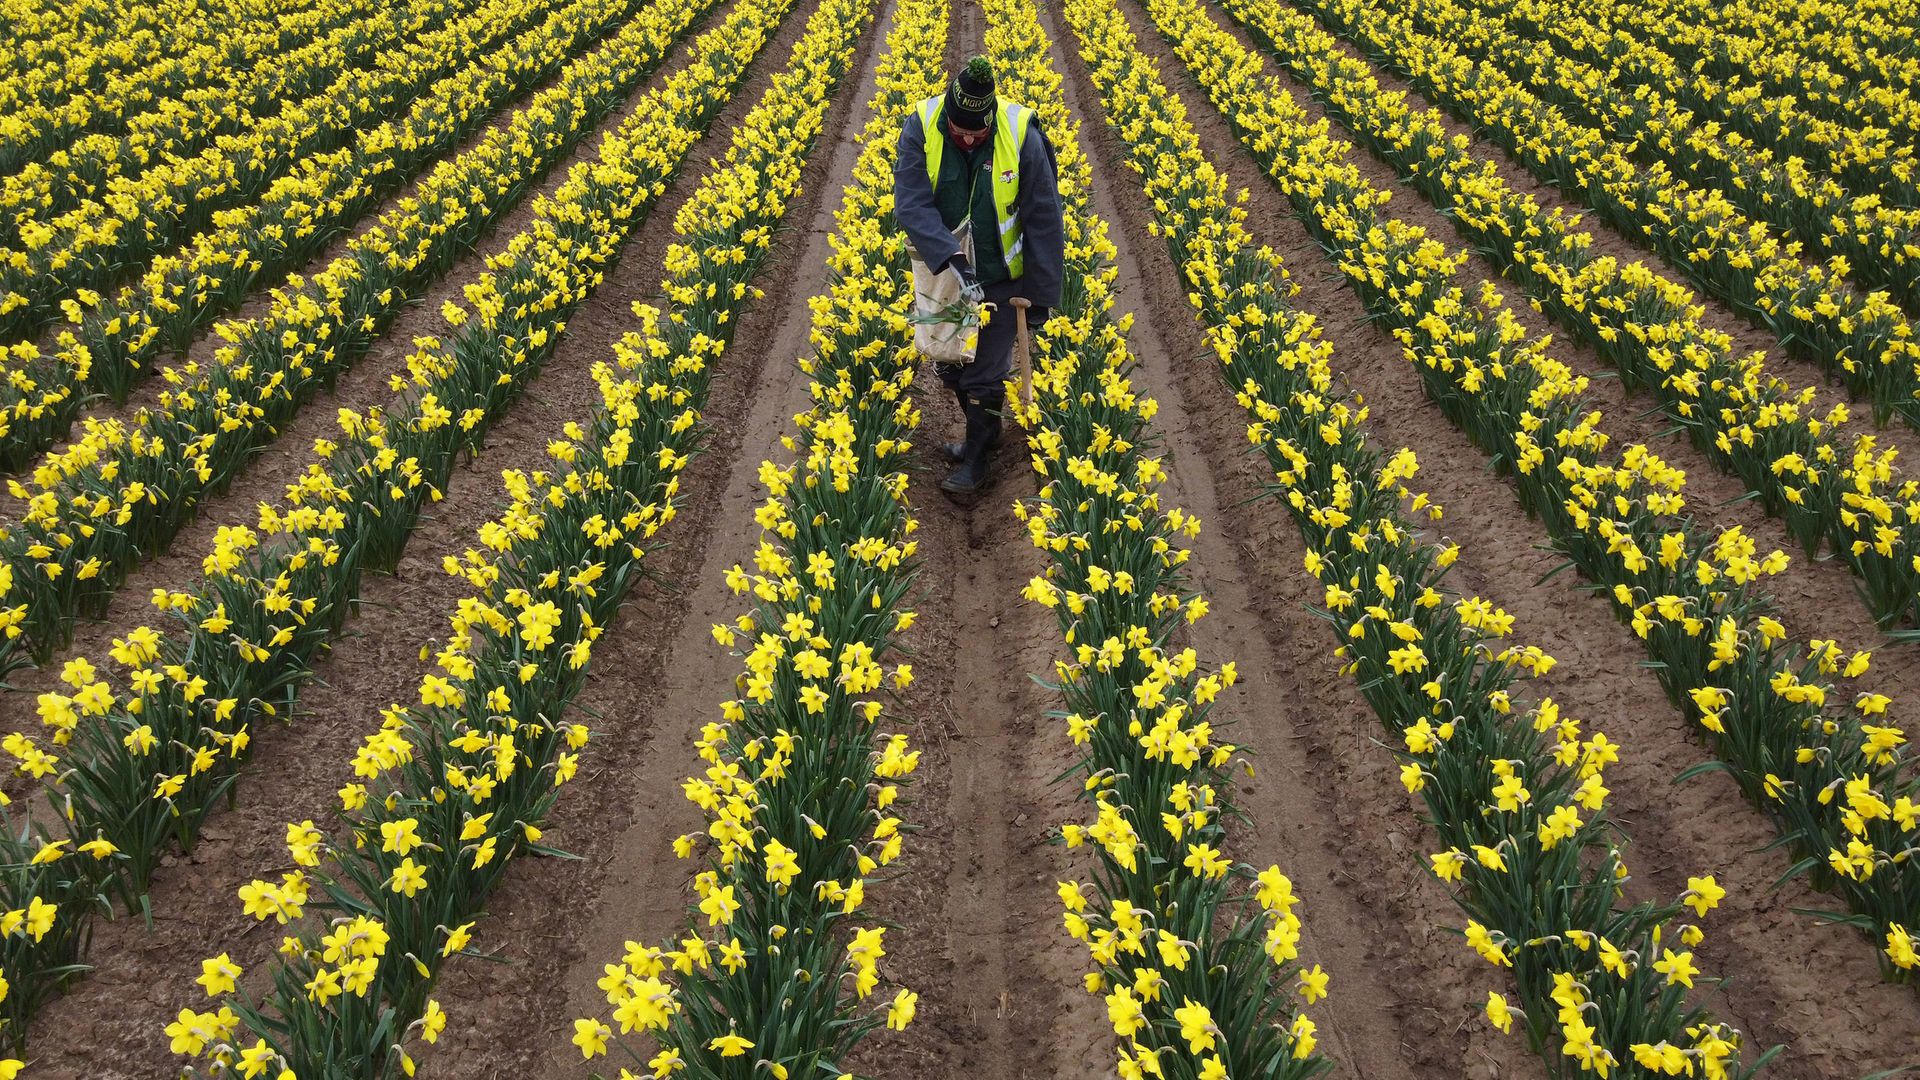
[
  {"x": 98, "y": 66},
  {"x": 153, "y": 737},
  {"x": 143, "y": 213},
  {"x": 1193, "y": 952},
  {"x": 1826, "y": 482},
  {"x": 191, "y": 99},
  {"x": 1865, "y": 340},
  {"x": 1514, "y": 787},
  {"x": 775, "y": 967},
  {"x": 124, "y": 489},
  {"x": 1834, "y": 780},
  {"x": 109, "y": 344},
  {"x": 450, "y": 792}
]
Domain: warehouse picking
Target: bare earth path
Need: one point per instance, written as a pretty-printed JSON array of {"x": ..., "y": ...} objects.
[
  {"x": 143, "y": 977},
  {"x": 999, "y": 978},
  {"x": 974, "y": 921},
  {"x": 1813, "y": 988},
  {"x": 663, "y": 678}
]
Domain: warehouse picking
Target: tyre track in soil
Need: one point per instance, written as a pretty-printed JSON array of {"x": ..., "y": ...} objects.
[
  {"x": 142, "y": 977},
  {"x": 364, "y": 384},
  {"x": 1791, "y": 981},
  {"x": 1403, "y": 991},
  {"x": 1819, "y": 597},
  {"x": 556, "y": 922}
]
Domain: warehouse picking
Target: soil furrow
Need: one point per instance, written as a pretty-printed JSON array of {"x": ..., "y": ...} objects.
[
  {"x": 998, "y": 977},
  {"x": 1794, "y": 982},
  {"x": 143, "y": 976},
  {"x": 365, "y": 384},
  {"x": 658, "y": 676},
  {"x": 1827, "y": 608}
]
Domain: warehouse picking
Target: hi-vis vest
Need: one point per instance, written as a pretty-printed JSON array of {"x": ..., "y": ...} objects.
[{"x": 1009, "y": 135}]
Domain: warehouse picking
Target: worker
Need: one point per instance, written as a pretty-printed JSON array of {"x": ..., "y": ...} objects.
[{"x": 968, "y": 157}]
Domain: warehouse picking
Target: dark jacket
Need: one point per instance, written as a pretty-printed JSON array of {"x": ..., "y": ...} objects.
[{"x": 1038, "y": 204}]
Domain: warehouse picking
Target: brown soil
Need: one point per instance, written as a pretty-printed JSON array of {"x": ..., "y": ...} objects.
[
  {"x": 141, "y": 977},
  {"x": 975, "y": 925},
  {"x": 365, "y": 385},
  {"x": 1771, "y": 954},
  {"x": 1830, "y": 611},
  {"x": 981, "y": 938}
]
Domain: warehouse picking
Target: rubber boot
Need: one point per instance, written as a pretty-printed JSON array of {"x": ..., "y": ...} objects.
[
  {"x": 976, "y": 455},
  {"x": 957, "y": 451}
]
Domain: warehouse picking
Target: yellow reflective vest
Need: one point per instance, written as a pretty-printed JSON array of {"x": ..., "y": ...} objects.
[{"x": 1011, "y": 123}]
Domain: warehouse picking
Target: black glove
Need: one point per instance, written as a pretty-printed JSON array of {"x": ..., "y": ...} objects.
[
  {"x": 969, "y": 284},
  {"x": 964, "y": 270}
]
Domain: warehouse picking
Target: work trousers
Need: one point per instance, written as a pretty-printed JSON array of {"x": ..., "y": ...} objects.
[{"x": 993, "y": 355}]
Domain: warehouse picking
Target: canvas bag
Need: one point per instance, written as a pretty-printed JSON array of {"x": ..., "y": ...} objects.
[{"x": 936, "y": 334}]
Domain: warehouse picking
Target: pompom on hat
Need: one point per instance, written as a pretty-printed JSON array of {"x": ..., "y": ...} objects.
[{"x": 970, "y": 100}]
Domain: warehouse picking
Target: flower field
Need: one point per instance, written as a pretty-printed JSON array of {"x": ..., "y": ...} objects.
[{"x": 477, "y": 600}]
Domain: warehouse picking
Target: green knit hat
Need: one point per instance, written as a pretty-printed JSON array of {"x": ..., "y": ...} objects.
[{"x": 970, "y": 101}]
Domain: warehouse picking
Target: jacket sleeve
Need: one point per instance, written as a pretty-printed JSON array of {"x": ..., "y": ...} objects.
[
  {"x": 913, "y": 206},
  {"x": 1040, "y": 220}
]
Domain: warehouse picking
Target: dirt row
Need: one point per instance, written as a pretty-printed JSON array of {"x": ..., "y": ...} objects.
[
  {"x": 983, "y": 942},
  {"x": 1790, "y": 980},
  {"x": 142, "y": 975},
  {"x": 976, "y": 926},
  {"x": 365, "y": 383},
  {"x": 1819, "y": 596}
]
